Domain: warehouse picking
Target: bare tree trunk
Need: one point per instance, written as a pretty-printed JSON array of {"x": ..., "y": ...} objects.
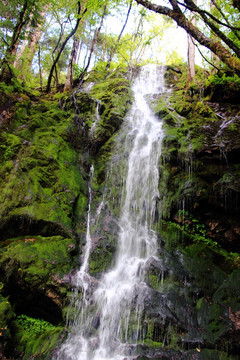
[
  {"x": 119, "y": 37},
  {"x": 72, "y": 60},
  {"x": 94, "y": 41},
  {"x": 40, "y": 68},
  {"x": 34, "y": 40},
  {"x": 134, "y": 38},
  {"x": 74, "y": 55},
  {"x": 63, "y": 46},
  {"x": 214, "y": 58},
  {"x": 79, "y": 51},
  {"x": 191, "y": 53}
]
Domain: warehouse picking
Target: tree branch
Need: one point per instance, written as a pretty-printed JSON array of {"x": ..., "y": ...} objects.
[
  {"x": 202, "y": 11},
  {"x": 213, "y": 27},
  {"x": 119, "y": 37},
  {"x": 212, "y": 44}
]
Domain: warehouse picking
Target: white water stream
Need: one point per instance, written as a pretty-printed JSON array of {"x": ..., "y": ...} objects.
[{"x": 119, "y": 296}]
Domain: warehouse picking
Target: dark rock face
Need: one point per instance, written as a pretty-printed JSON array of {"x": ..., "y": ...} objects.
[{"x": 196, "y": 299}]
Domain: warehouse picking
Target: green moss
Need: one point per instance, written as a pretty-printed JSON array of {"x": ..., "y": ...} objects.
[
  {"x": 35, "y": 337},
  {"x": 37, "y": 183},
  {"x": 6, "y": 313},
  {"x": 10, "y": 145},
  {"x": 100, "y": 259},
  {"x": 153, "y": 344},
  {"x": 37, "y": 259},
  {"x": 115, "y": 97}
]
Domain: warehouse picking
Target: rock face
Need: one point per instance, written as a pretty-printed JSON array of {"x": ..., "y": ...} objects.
[{"x": 192, "y": 309}]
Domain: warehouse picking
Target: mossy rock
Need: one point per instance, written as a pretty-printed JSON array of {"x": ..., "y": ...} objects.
[
  {"x": 35, "y": 168},
  {"x": 33, "y": 270},
  {"x": 115, "y": 97}
]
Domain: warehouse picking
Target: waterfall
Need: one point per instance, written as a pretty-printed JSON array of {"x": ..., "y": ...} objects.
[{"x": 119, "y": 295}]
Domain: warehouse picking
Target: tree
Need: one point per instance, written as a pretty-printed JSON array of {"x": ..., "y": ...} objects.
[
  {"x": 191, "y": 52},
  {"x": 17, "y": 19},
  {"x": 72, "y": 61},
  {"x": 29, "y": 46},
  {"x": 119, "y": 36},
  {"x": 78, "y": 16},
  {"x": 226, "y": 48},
  {"x": 94, "y": 41}
]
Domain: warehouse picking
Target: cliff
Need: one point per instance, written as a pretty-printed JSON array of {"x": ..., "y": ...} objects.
[{"x": 47, "y": 147}]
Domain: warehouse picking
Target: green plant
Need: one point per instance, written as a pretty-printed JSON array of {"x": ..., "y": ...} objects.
[
  {"x": 77, "y": 70},
  {"x": 223, "y": 80},
  {"x": 35, "y": 337},
  {"x": 34, "y": 326}
]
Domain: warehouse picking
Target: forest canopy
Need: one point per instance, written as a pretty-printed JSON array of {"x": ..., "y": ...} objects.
[{"x": 45, "y": 43}]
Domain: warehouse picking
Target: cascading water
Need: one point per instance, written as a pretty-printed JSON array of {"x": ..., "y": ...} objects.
[{"x": 119, "y": 296}]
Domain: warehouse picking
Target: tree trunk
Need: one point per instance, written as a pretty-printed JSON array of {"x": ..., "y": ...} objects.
[
  {"x": 214, "y": 45},
  {"x": 8, "y": 61},
  {"x": 214, "y": 58},
  {"x": 94, "y": 41},
  {"x": 72, "y": 60},
  {"x": 119, "y": 37},
  {"x": 63, "y": 46},
  {"x": 23, "y": 45},
  {"x": 191, "y": 53},
  {"x": 134, "y": 39},
  {"x": 40, "y": 68}
]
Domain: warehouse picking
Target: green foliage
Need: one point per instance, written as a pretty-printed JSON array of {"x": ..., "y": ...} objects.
[
  {"x": 11, "y": 146},
  {"x": 6, "y": 313},
  {"x": 223, "y": 80},
  {"x": 195, "y": 228},
  {"x": 77, "y": 70},
  {"x": 34, "y": 326},
  {"x": 35, "y": 337}
]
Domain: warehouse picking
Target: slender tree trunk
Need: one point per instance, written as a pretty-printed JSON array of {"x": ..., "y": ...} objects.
[
  {"x": 134, "y": 38},
  {"x": 94, "y": 41},
  {"x": 79, "y": 52},
  {"x": 191, "y": 53},
  {"x": 34, "y": 41},
  {"x": 63, "y": 46},
  {"x": 72, "y": 60},
  {"x": 8, "y": 61},
  {"x": 119, "y": 37},
  {"x": 23, "y": 45},
  {"x": 191, "y": 59},
  {"x": 40, "y": 68},
  {"x": 214, "y": 58},
  {"x": 74, "y": 56}
]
